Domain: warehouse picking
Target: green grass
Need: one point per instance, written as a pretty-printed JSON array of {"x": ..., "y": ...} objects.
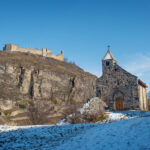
[
  {"x": 55, "y": 101},
  {"x": 72, "y": 101},
  {"x": 7, "y": 112}
]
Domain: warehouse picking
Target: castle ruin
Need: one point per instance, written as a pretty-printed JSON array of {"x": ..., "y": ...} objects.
[{"x": 44, "y": 52}]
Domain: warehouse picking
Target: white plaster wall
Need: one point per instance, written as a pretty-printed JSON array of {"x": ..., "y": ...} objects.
[{"x": 143, "y": 98}]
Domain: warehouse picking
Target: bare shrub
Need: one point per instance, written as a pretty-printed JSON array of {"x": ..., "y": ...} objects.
[
  {"x": 38, "y": 112},
  {"x": 75, "y": 118},
  {"x": 95, "y": 115},
  {"x": 72, "y": 114}
]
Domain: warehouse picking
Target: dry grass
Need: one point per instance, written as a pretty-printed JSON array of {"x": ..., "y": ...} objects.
[
  {"x": 40, "y": 62},
  {"x": 9, "y": 89}
]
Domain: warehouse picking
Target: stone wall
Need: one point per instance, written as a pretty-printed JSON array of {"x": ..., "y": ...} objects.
[
  {"x": 44, "y": 52},
  {"x": 116, "y": 83}
]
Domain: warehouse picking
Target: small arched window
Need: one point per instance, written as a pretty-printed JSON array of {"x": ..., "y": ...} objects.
[
  {"x": 118, "y": 83},
  {"x": 107, "y": 63}
]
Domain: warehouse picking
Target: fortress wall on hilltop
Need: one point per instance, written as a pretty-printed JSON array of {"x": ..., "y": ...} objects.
[{"x": 44, "y": 52}]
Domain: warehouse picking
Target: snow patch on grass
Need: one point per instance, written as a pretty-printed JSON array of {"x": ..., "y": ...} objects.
[{"x": 12, "y": 128}]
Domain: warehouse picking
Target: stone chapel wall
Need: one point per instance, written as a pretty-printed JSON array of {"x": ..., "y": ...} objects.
[{"x": 116, "y": 80}]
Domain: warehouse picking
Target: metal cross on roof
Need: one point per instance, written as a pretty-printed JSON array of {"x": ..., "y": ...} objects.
[{"x": 108, "y": 47}]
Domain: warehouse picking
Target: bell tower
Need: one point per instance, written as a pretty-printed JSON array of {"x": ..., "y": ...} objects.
[{"x": 108, "y": 61}]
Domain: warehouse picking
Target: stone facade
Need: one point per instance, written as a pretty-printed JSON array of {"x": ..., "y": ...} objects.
[
  {"x": 120, "y": 89},
  {"x": 44, "y": 52}
]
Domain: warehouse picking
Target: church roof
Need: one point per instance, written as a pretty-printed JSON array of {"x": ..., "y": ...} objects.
[
  {"x": 108, "y": 56},
  {"x": 142, "y": 83}
]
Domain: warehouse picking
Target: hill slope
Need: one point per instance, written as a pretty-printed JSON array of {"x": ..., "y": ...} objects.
[{"x": 32, "y": 84}]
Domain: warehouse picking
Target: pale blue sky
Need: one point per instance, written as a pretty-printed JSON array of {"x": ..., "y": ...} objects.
[{"x": 82, "y": 29}]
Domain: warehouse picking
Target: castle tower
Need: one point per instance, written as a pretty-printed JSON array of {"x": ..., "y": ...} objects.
[
  {"x": 44, "y": 52},
  {"x": 108, "y": 61},
  {"x": 10, "y": 47}
]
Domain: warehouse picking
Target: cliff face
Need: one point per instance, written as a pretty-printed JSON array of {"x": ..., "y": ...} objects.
[{"x": 39, "y": 90}]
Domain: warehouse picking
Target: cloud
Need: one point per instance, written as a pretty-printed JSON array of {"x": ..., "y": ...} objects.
[
  {"x": 139, "y": 74},
  {"x": 139, "y": 64}
]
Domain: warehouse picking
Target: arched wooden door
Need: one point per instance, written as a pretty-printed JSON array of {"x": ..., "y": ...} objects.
[{"x": 119, "y": 104}]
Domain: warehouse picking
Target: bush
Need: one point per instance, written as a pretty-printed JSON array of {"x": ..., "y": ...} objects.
[
  {"x": 55, "y": 101},
  {"x": 31, "y": 103},
  {"x": 72, "y": 115},
  {"x": 22, "y": 106},
  {"x": 72, "y": 101},
  {"x": 85, "y": 118},
  {"x": 103, "y": 118},
  {"x": 95, "y": 115},
  {"x": 7, "y": 112},
  {"x": 75, "y": 118}
]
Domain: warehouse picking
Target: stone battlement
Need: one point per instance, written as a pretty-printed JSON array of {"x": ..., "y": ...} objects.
[{"x": 44, "y": 52}]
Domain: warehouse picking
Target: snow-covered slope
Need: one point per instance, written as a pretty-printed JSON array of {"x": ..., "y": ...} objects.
[
  {"x": 131, "y": 134},
  {"x": 40, "y": 137}
]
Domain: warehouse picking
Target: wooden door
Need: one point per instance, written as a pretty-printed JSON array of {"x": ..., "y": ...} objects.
[{"x": 119, "y": 104}]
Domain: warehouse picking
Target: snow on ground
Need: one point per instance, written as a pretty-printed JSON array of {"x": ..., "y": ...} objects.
[
  {"x": 113, "y": 116},
  {"x": 131, "y": 134},
  {"x": 116, "y": 115},
  {"x": 62, "y": 122},
  {"x": 40, "y": 137},
  {"x": 11, "y": 128}
]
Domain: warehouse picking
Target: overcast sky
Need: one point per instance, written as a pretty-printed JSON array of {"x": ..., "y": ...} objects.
[{"x": 82, "y": 29}]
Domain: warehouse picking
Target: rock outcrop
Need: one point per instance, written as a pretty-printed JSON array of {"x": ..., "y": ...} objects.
[{"x": 32, "y": 84}]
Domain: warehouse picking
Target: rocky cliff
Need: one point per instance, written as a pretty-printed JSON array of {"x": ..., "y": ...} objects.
[{"x": 39, "y": 90}]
